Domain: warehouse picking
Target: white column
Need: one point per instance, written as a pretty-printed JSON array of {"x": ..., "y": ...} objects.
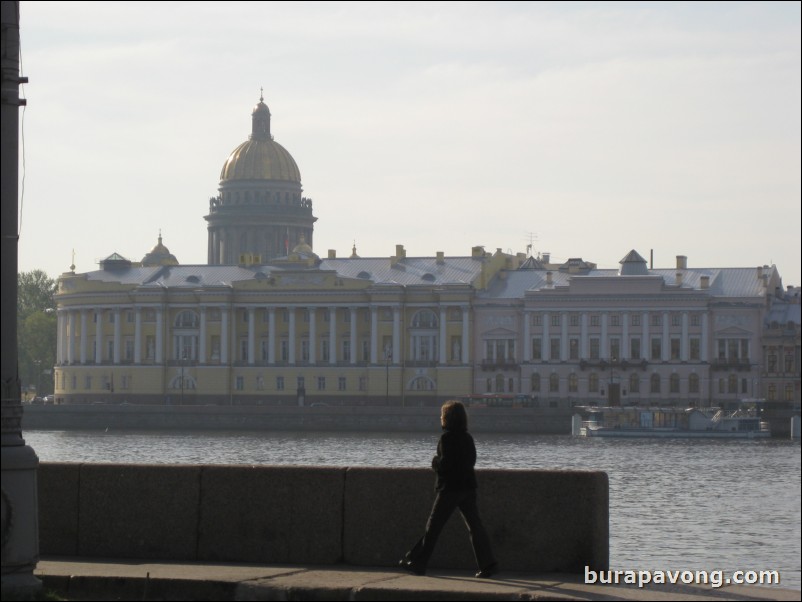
[
  {"x": 291, "y": 343},
  {"x": 71, "y": 344},
  {"x": 99, "y": 337},
  {"x": 61, "y": 317},
  {"x": 545, "y": 343},
  {"x": 202, "y": 337},
  {"x": 604, "y": 343},
  {"x": 704, "y": 357},
  {"x": 564, "y": 337},
  {"x": 271, "y": 335},
  {"x": 527, "y": 336},
  {"x": 83, "y": 336},
  {"x": 332, "y": 335},
  {"x": 625, "y": 335},
  {"x": 138, "y": 335},
  {"x": 118, "y": 318},
  {"x": 442, "y": 347},
  {"x": 160, "y": 335},
  {"x": 584, "y": 352},
  {"x": 646, "y": 344},
  {"x": 312, "y": 335},
  {"x": 374, "y": 335},
  {"x": 684, "y": 342},
  {"x": 251, "y": 335},
  {"x": 397, "y": 335},
  {"x": 353, "y": 334},
  {"x": 666, "y": 351}
]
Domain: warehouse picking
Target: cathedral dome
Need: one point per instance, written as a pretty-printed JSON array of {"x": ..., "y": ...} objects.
[
  {"x": 260, "y": 157},
  {"x": 159, "y": 255}
]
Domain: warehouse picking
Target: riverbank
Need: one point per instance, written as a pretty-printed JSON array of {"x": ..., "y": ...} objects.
[{"x": 555, "y": 421}]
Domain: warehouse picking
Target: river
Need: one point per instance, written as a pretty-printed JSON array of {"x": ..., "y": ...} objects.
[{"x": 674, "y": 504}]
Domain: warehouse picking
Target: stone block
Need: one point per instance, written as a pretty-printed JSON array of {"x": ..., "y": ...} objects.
[
  {"x": 271, "y": 514},
  {"x": 139, "y": 511},
  {"x": 538, "y": 521},
  {"x": 58, "y": 494}
]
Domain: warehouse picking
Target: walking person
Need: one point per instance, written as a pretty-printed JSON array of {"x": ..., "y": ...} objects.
[{"x": 456, "y": 488}]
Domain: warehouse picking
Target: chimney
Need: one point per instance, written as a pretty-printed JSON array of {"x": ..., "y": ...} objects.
[
  {"x": 549, "y": 280},
  {"x": 332, "y": 254},
  {"x": 400, "y": 252},
  {"x": 679, "y": 277},
  {"x": 705, "y": 282},
  {"x": 546, "y": 257},
  {"x": 478, "y": 251},
  {"x": 759, "y": 272},
  {"x": 441, "y": 258},
  {"x": 682, "y": 262}
]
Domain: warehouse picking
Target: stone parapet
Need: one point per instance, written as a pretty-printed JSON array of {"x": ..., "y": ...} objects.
[{"x": 538, "y": 521}]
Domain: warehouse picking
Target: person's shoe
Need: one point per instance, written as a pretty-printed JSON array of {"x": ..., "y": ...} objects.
[
  {"x": 488, "y": 571},
  {"x": 412, "y": 567}
]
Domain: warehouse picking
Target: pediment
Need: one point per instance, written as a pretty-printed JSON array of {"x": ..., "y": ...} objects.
[{"x": 499, "y": 333}]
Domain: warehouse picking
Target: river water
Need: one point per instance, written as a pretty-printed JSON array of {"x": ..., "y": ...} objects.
[{"x": 674, "y": 504}]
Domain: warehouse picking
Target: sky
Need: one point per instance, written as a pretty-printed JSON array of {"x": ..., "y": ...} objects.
[{"x": 582, "y": 129}]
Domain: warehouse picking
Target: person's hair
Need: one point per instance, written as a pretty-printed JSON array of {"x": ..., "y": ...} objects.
[{"x": 453, "y": 416}]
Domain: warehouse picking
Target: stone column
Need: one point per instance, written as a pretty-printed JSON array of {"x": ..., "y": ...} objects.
[
  {"x": 138, "y": 335},
  {"x": 271, "y": 335},
  {"x": 251, "y": 335},
  {"x": 545, "y": 343},
  {"x": 584, "y": 352},
  {"x": 202, "y": 337},
  {"x": 704, "y": 348},
  {"x": 312, "y": 336},
  {"x": 332, "y": 335},
  {"x": 625, "y": 335},
  {"x": 604, "y": 343},
  {"x": 99, "y": 336},
  {"x": 60, "y": 337},
  {"x": 117, "y": 334},
  {"x": 353, "y": 334},
  {"x": 684, "y": 341},
  {"x": 527, "y": 336},
  {"x": 83, "y": 336},
  {"x": 442, "y": 357},
  {"x": 159, "y": 335},
  {"x": 564, "y": 352},
  {"x": 374, "y": 335},
  {"x": 397, "y": 334},
  {"x": 71, "y": 343},
  {"x": 291, "y": 344},
  {"x": 225, "y": 340},
  {"x": 666, "y": 351},
  {"x": 646, "y": 344}
]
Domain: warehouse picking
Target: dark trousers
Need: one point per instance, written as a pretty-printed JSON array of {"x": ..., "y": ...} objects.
[{"x": 444, "y": 505}]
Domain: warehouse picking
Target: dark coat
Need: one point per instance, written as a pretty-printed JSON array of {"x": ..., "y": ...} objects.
[{"x": 454, "y": 462}]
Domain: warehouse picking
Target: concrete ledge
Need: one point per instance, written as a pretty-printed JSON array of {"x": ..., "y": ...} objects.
[{"x": 538, "y": 521}]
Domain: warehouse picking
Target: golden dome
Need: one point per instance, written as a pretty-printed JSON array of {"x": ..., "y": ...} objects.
[
  {"x": 302, "y": 247},
  {"x": 260, "y": 158},
  {"x": 159, "y": 255}
]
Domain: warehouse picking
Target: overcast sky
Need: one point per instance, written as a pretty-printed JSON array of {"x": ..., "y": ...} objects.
[{"x": 585, "y": 129}]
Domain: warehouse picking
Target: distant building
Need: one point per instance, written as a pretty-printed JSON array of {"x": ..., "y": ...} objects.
[{"x": 269, "y": 321}]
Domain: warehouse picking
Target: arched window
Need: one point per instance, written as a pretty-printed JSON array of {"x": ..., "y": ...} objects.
[
  {"x": 655, "y": 383},
  {"x": 634, "y": 383},
  {"x": 186, "y": 319},
  {"x": 593, "y": 383},
  {"x": 554, "y": 383},
  {"x": 573, "y": 383},
  {"x": 425, "y": 318},
  {"x": 423, "y": 336},
  {"x": 499, "y": 383},
  {"x": 536, "y": 383},
  {"x": 732, "y": 384},
  {"x": 673, "y": 383},
  {"x": 421, "y": 383},
  {"x": 693, "y": 383}
]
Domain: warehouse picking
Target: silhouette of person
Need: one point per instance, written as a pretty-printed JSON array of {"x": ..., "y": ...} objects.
[{"x": 456, "y": 488}]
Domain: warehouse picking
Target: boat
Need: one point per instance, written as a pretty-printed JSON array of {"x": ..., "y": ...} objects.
[{"x": 704, "y": 423}]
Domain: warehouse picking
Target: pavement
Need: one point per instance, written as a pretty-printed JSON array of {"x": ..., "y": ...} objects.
[{"x": 104, "y": 579}]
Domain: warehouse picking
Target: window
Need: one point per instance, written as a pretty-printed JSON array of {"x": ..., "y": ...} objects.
[
  {"x": 694, "y": 319},
  {"x": 732, "y": 384},
  {"x": 305, "y": 314},
  {"x": 554, "y": 383},
  {"x": 279, "y": 383},
  {"x": 186, "y": 319},
  {"x": 744, "y": 385},
  {"x": 129, "y": 317},
  {"x": 555, "y": 320},
  {"x": 789, "y": 360},
  {"x": 634, "y": 348},
  {"x": 260, "y": 383},
  {"x": 635, "y": 320},
  {"x": 129, "y": 349},
  {"x": 88, "y": 382},
  {"x": 573, "y": 385},
  {"x": 673, "y": 383},
  {"x": 593, "y": 383},
  {"x": 341, "y": 383},
  {"x": 239, "y": 384},
  {"x": 696, "y": 353},
  {"x": 150, "y": 347},
  {"x": 574, "y": 319},
  {"x": 285, "y": 350},
  {"x": 536, "y": 349},
  {"x": 243, "y": 350},
  {"x": 456, "y": 348},
  {"x": 676, "y": 320},
  {"x": 305, "y": 350},
  {"x": 789, "y": 392},
  {"x": 554, "y": 351},
  {"x": 425, "y": 318},
  {"x": 675, "y": 348},
  {"x": 300, "y": 382},
  {"x": 657, "y": 344},
  {"x": 365, "y": 351},
  {"x": 537, "y": 320},
  {"x": 615, "y": 320},
  {"x": 634, "y": 383},
  {"x": 321, "y": 383},
  {"x": 535, "y": 383},
  {"x": 594, "y": 320},
  {"x": 772, "y": 362},
  {"x": 693, "y": 383},
  {"x": 363, "y": 383},
  {"x": 324, "y": 350},
  {"x": 772, "y": 393},
  {"x": 655, "y": 383},
  {"x": 263, "y": 349},
  {"x": 657, "y": 320},
  {"x": 615, "y": 349},
  {"x": 346, "y": 350},
  {"x": 573, "y": 349},
  {"x": 594, "y": 348},
  {"x": 111, "y": 317}
]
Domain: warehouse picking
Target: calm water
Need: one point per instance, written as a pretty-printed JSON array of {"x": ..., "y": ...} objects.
[{"x": 674, "y": 504}]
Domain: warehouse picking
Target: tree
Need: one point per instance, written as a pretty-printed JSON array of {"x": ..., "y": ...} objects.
[{"x": 36, "y": 330}]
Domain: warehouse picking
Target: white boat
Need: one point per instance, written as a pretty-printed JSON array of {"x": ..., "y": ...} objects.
[{"x": 713, "y": 423}]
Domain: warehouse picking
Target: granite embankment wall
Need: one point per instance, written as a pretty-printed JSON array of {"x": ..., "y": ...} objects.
[
  {"x": 352, "y": 418},
  {"x": 538, "y": 521}
]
